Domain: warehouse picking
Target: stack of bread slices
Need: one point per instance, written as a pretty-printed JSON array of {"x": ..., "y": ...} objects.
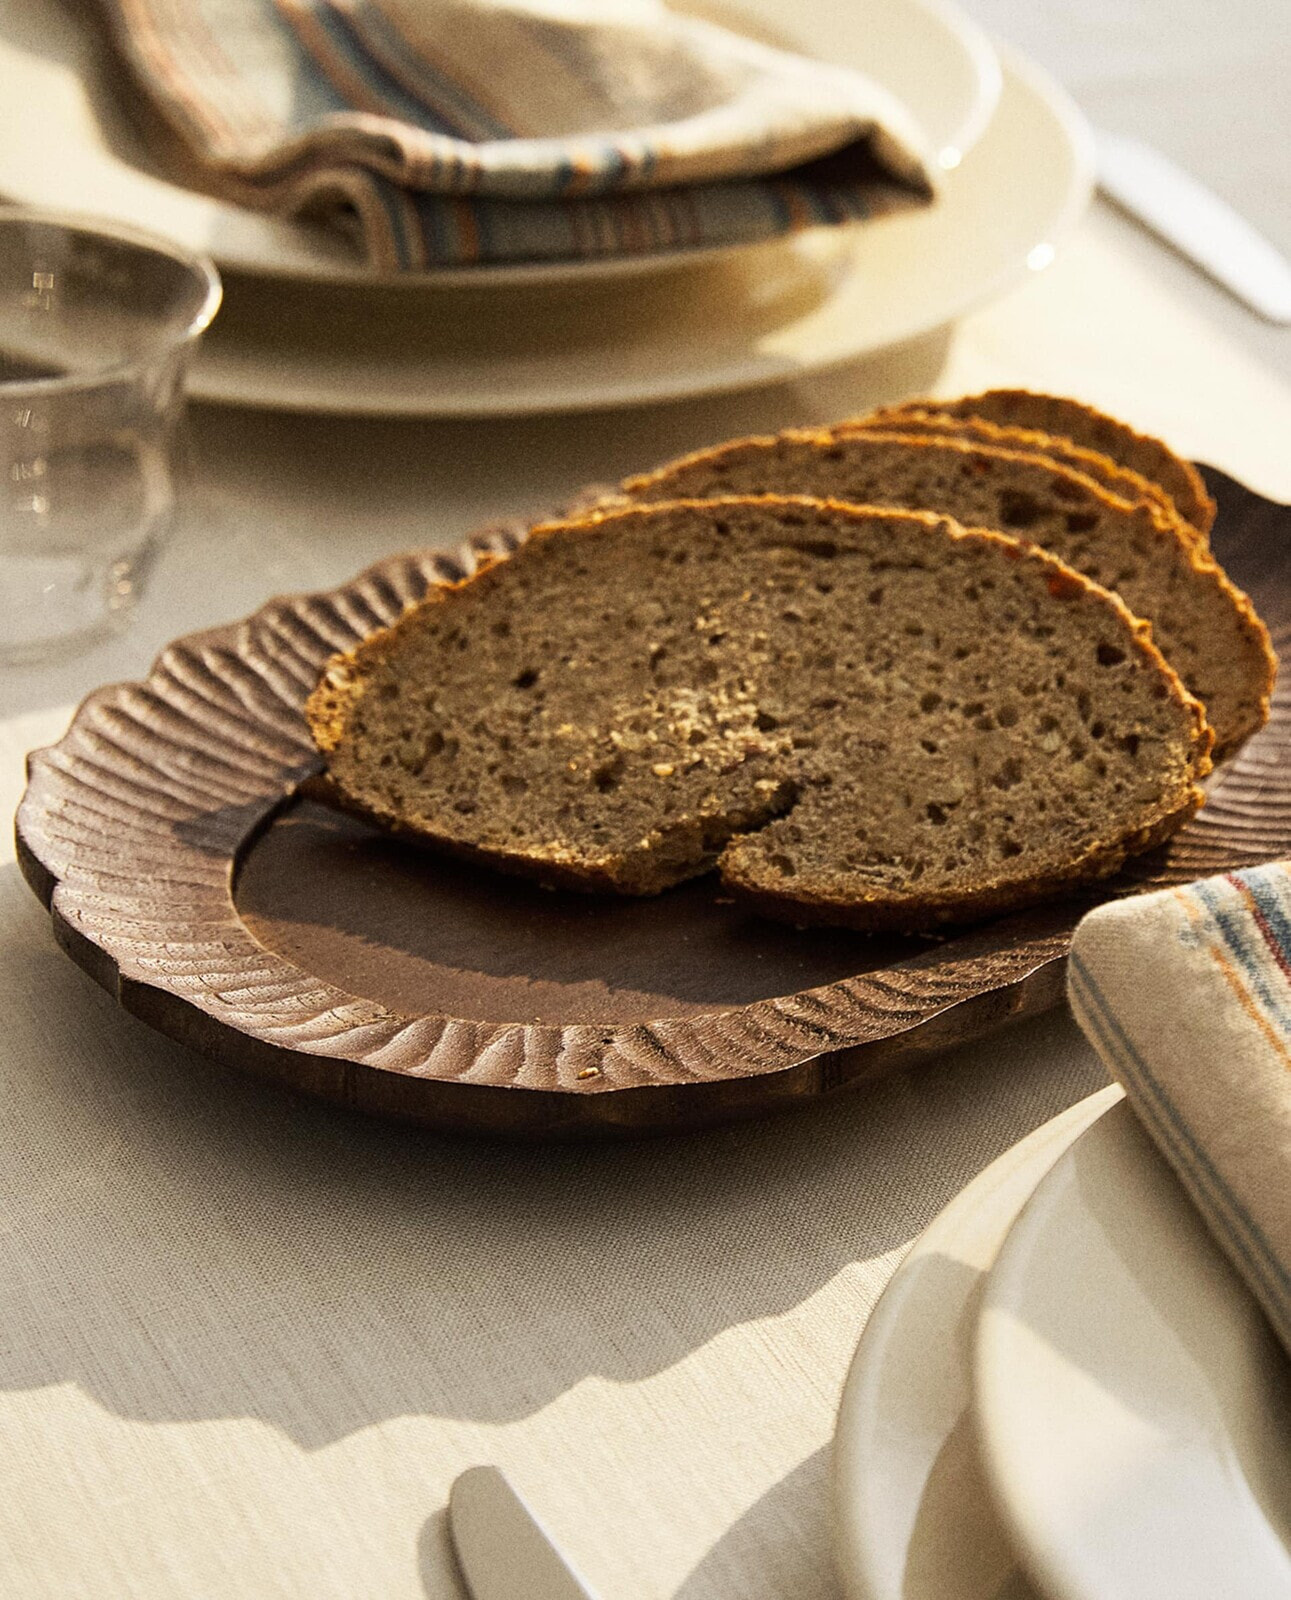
[{"x": 933, "y": 663}]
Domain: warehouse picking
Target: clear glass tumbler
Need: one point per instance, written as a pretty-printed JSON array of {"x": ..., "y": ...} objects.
[{"x": 96, "y": 328}]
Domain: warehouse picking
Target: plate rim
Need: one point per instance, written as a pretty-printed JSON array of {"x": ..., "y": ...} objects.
[
  {"x": 854, "y": 1460},
  {"x": 745, "y": 372},
  {"x": 1035, "y": 1555}
]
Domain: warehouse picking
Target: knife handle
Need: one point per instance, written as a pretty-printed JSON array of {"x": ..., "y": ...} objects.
[{"x": 1197, "y": 223}]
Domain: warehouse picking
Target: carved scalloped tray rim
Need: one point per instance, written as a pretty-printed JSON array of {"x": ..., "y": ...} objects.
[
  {"x": 852, "y": 1039},
  {"x": 97, "y": 958}
]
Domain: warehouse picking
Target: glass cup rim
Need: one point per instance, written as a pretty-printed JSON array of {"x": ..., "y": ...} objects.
[{"x": 200, "y": 268}]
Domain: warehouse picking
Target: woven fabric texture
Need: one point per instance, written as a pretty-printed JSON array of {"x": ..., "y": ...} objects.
[
  {"x": 458, "y": 131},
  {"x": 1187, "y": 996}
]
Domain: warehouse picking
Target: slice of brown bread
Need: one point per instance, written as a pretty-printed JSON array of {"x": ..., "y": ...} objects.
[
  {"x": 1095, "y": 430},
  {"x": 1206, "y": 629},
  {"x": 869, "y": 718},
  {"x": 1105, "y": 472}
]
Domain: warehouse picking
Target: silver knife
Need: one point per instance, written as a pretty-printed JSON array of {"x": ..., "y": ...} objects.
[
  {"x": 503, "y": 1550},
  {"x": 1196, "y": 222}
]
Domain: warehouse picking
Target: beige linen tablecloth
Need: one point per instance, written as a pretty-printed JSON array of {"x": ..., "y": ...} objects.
[
  {"x": 246, "y": 1341},
  {"x": 1203, "y": 83}
]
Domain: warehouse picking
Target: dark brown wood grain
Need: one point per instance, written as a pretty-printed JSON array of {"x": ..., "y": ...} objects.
[{"x": 185, "y": 870}]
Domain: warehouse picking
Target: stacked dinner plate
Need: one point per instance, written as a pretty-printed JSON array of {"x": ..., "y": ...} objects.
[
  {"x": 1067, "y": 1391},
  {"x": 307, "y": 326}
]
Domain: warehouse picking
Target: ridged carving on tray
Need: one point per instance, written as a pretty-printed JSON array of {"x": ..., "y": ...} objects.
[{"x": 134, "y": 825}]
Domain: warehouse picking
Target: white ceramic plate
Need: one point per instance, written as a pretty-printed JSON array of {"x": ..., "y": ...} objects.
[
  {"x": 1134, "y": 1407},
  {"x": 912, "y": 1517},
  {"x": 766, "y": 315},
  {"x": 65, "y": 144}
]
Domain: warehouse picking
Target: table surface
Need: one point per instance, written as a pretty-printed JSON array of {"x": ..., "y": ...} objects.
[{"x": 246, "y": 1341}]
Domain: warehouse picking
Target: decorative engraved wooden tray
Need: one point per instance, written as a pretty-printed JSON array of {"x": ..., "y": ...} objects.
[{"x": 185, "y": 871}]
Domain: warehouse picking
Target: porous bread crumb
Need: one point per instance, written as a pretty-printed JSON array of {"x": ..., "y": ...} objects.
[
  {"x": 889, "y": 722},
  {"x": 1205, "y": 627},
  {"x": 923, "y": 419}
]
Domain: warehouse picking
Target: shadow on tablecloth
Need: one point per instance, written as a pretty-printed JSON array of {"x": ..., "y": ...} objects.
[{"x": 187, "y": 1244}]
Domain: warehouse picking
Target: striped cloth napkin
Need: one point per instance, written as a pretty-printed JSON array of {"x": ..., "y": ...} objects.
[
  {"x": 458, "y": 131},
  {"x": 1186, "y": 994}
]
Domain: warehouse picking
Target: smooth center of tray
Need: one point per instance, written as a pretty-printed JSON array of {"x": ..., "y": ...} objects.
[{"x": 416, "y": 932}]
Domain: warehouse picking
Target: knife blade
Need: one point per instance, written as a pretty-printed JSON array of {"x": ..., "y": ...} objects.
[
  {"x": 503, "y": 1550},
  {"x": 1193, "y": 219}
]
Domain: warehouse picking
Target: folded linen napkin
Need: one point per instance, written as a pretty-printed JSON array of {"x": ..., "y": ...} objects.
[
  {"x": 1186, "y": 995},
  {"x": 454, "y": 131}
]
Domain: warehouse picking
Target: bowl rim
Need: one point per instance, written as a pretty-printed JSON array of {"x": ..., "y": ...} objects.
[{"x": 200, "y": 268}]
